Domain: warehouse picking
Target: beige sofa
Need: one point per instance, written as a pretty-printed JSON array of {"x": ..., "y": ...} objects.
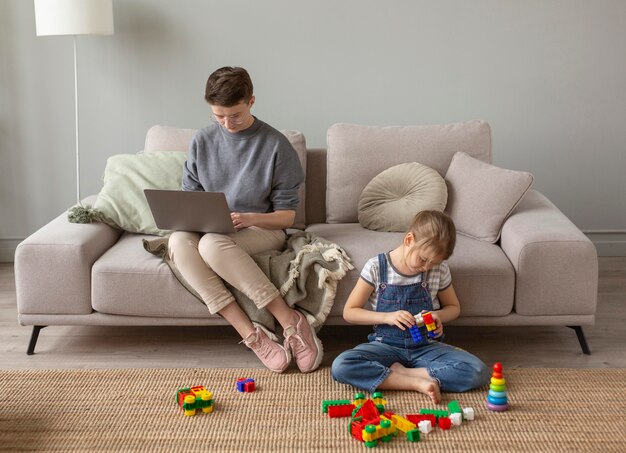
[{"x": 542, "y": 271}]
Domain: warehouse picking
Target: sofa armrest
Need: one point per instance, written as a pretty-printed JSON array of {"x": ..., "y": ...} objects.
[
  {"x": 556, "y": 265},
  {"x": 53, "y": 266}
]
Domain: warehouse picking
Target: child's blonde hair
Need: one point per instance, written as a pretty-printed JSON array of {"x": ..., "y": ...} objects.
[{"x": 435, "y": 230}]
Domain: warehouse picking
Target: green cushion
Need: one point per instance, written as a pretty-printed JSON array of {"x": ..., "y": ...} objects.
[
  {"x": 393, "y": 197},
  {"x": 122, "y": 203}
]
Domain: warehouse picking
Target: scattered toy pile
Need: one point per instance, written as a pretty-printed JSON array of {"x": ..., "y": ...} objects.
[{"x": 371, "y": 423}]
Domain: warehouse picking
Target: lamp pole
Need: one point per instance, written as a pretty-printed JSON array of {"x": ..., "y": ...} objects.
[{"x": 76, "y": 120}]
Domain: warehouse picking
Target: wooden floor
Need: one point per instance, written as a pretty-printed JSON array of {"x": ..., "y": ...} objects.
[{"x": 175, "y": 347}]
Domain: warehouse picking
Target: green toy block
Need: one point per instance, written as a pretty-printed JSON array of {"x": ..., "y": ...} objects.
[
  {"x": 413, "y": 435},
  {"x": 327, "y": 403},
  {"x": 436, "y": 412},
  {"x": 454, "y": 407}
]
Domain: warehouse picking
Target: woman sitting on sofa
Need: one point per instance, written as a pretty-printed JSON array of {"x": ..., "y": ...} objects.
[{"x": 259, "y": 171}]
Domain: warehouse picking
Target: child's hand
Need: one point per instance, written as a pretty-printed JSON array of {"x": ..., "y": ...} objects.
[{"x": 401, "y": 319}]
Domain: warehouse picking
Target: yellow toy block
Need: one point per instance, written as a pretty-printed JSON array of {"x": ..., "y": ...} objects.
[
  {"x": 402, "y": 424},
  {"x": 380, "y": 431}
]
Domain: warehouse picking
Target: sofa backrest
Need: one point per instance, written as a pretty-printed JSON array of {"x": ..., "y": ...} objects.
[
  {"x": 165, "y": 138},
  {"x": 356, "y": 154}
]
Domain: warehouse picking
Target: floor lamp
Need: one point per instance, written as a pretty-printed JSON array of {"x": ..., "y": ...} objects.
[{"x": 74, "y": 17}]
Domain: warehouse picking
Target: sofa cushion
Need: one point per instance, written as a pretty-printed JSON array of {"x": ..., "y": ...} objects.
[
  {"x": 358, "y": 153},
  {"x": 481, "y": 196},
  {"x": 127, "y": 280},
  {"x": 122, "y": 202},
  {"x": 166, "y": 138},
  {"x": 391, "y": 199},
  {"x": 483, "y": 277}
]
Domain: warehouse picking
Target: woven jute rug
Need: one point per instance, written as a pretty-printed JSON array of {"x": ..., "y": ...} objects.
[{"x": 135, "y": 410}]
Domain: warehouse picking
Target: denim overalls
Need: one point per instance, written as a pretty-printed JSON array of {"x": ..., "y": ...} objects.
[
  {"x": 367, "y": 365},
  {"x": 413, "y": 298}
]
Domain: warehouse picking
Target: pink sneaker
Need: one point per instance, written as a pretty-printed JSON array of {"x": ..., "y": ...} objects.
[
  {"x": 304, "y": 344},
  {"x": 272, "y": 355}
]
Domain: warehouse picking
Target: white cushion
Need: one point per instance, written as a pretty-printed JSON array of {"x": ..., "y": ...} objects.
[{"x": 393, "y": 197}]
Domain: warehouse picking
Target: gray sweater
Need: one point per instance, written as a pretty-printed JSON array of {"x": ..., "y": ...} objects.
[{"x": 257, "y": 169}]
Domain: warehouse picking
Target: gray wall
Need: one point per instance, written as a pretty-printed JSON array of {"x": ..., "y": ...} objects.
[{"x": 548, "y": 75}]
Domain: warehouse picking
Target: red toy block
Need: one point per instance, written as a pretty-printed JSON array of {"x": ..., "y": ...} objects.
[
  {"x": 444, "y": 422},
  {"x": 357, "y": 430},
  {"x": 428, "y": 318},
  {"x": 388, "y": 414},
  {"x": 343, "y": 410},
  {"x": 369, "y": 412},
  {"x": 246, "y": 385},
  {"x": 416, "y": 418}
]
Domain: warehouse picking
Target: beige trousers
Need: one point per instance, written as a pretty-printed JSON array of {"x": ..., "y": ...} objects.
[{"x": 205, "y": 260}]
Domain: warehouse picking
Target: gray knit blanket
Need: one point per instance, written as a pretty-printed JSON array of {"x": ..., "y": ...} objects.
[{"x": 306, "y": 273}]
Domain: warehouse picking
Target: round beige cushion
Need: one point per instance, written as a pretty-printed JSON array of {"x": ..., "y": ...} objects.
[{"x": 393, "y": 197}]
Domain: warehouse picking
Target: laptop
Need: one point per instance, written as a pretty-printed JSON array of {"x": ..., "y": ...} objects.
[{"x": 179, "y": 210}]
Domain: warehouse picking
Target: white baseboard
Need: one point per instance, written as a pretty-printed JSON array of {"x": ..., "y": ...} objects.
[
  {"x": 608, "y": 243},
  {"x": 7, "y": 249}
]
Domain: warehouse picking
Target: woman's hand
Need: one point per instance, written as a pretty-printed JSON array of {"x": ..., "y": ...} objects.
[
  {"x": 401, "y": 319},
  {"x": 276, "y": 220},
  {"x": 243, "y": 219}
]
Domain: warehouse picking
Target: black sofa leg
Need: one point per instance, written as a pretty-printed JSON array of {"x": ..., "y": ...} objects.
[
  {"x": 581, "y": 339},
  {"x": 33, "y": 339}
]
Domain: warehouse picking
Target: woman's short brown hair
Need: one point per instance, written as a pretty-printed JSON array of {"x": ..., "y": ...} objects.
[{"x": 228, "y": 86}]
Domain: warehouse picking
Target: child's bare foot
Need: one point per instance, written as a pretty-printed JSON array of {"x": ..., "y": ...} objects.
[
  {"x": 421, "y": 381},
  {"x": 429, "y": 387}
]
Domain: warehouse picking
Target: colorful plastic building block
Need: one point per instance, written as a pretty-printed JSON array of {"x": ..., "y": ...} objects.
[
  {"x": 416, "y": 418},
  {"x": 425, "y": 426},
  {"x": 194, "y": 398},
  {"x": 454, "y": 407},
  {"x": 425, "y": 321},
  {"x": 444, "y": 422},
  {"x": 359, "y": 399},
  {"x": 468, "y": 413},
  {"x": 246, "y": 385},
  {"x": 402, "y": 424},
  {"x": 340, "y": 410},
  {"x": 456, "y": 418},
  {"x": 436, "y": 412},
  {"x": 413, "y": 435},
  {"x": 327, "y": 403},
  {"x": 497, "y": 396},
  {"x": 383, "y": 431},
  {"x": 377, "y": 398}
]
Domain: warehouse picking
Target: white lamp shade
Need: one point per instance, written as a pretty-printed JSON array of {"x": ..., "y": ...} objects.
[{"x": 74, "y": 17}]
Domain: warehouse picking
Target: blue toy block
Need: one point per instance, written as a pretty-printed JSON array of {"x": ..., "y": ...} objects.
[{"x": 415, "y": 333}]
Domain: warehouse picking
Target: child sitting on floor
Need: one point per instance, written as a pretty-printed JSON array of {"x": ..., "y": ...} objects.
[{"x": 412, "y": 278}]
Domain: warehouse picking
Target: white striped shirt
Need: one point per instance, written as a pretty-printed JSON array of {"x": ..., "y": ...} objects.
[{"x": 438, "y": 278}]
